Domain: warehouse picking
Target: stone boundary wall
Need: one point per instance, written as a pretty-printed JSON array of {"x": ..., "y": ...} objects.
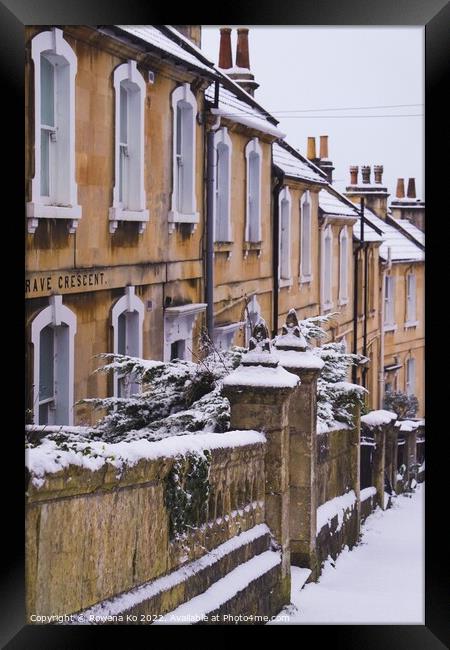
[
  {"x": 334, "y": 471},
  {"x": 91, "y": 535}
]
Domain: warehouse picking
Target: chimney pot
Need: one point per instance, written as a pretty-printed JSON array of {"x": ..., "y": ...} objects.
[
  {"x": 242, "y": 53},
  {"x": 378, "y": 173},
  {"x": 365, "y": 171},
  {"x": 411, "y": 193},
  {"x": 311, "y": 149},
  {"x": 225, "y": 58},
  {"x": 323, "y": 146},
  {"x": 400, "y": 193},
  {"x": 354, "y": 175}
]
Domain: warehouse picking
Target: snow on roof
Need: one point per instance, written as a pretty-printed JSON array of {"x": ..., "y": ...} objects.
[
  {"x": 152, "y": 35},
  {"x": 401, "y": 247},
  {"x": 294, "y": 166},
  {"x": 412, "y": 230},
  {"x": 237, "y": 110},
  {"x": 332, "y": 204}
]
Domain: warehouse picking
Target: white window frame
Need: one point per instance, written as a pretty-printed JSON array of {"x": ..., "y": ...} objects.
[
  {"x": 222, "y": 187},
  {"x": 285, "y": 219},
  {"x": 410, "y": 376},
  {"x": 128, "y": 303},
  {"x": 254, "y": 311},
  {"x": 411, "y": 289},
  {"x": 327, "y": 265},
  {"x": 305, "y": 237},
  {"x": 178, "y": 326},
  {"x": 55, "y": 315},
  {"x": 224, "y": 335},
  {"x": 62, "y": 202},
  {"x": 343, "y": 266},
  {"x": 133, "y": 206},
  {"x": 253, "y": 155},
  {"x": 389, "y": 303},
  {"x": 184, "y": 96}
]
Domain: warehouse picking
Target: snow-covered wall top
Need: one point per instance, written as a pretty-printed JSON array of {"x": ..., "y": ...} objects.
[
  {"x": 378, "y": 418},
  {"x": 49, "y": 457}
]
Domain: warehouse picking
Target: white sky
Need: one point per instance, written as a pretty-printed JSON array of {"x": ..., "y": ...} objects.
[{"x": 342, "y": 67}]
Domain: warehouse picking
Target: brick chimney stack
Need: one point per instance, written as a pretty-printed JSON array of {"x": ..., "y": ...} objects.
[
  {"x": 311, "y": 149},
  {"x": 241, "y": 72},
  {"x": 378, "y": 174},
  {"x": 323, "y": 146},
  {"x": 225, "y": 56},
  {"x": 408, "y": 207},
  {"x": 375, "y": 195},
  {"x": 411, "y": 192},
  {"x": 400, "y": 193},
  {"x": 324, "y": 162},
  {"x": 365, "y": 171},
  {"x": 242, "y": 53},
  {"x": 354, "y": 169}
]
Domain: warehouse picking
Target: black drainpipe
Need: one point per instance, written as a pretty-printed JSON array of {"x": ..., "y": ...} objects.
[
  {"x": 355, "y": 290},
  {"x": 209, "y": 257},
  {"x": 366, "y": 299},
  {"x": 279, "y": 179}
]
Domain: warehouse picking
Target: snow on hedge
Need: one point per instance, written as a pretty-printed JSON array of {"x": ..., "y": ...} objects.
[
  {"x": 378, "y": 418},
  {"x": 50, "y": 456}
]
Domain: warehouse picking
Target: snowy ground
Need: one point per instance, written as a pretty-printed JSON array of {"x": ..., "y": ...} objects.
[{"x": 379, "y": 581}]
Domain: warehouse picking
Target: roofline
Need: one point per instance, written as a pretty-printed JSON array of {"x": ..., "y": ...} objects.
[
  {"x": 393, "y": 222},
  {"x": 297, "y": 154},
  {"x": 115, "y": 31},
  {"x": 232, "y": 85}
]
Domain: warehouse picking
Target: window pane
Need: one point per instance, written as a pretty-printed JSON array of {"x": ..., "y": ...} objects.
[
  {"x": 47, "y": 92},
  {"x": 46, "y": 363},
  {"x": 121, "y": 337},
  {"x": 123, "y": 114},
  {"x": 45, "y": 163}
]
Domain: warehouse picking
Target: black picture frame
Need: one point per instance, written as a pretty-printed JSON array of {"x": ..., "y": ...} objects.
[{"x": 434, "y": 15}]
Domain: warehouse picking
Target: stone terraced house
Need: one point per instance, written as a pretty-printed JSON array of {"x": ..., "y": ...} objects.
[{"x": 161, "y": 199}]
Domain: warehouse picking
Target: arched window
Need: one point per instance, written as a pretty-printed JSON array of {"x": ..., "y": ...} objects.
[
  {"x": 127, "y": 322},
  {"x": 53, "y": 188},
  {"x": 184, "y": 204},
  {"x": 222, "y": 224},
  {"x": 253, "y": 155},
  {"x": 343, "y": 266},
  {"x": 305, "y": 238},
  {"x": 284, "y": 265},
  {"x": 327, "y": 261},
  {"x": 52, "y": 335},
  {"x": 129, "y": 192}
]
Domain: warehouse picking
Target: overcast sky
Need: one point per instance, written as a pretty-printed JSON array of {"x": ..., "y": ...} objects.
[{"x": 310, "y": 68}]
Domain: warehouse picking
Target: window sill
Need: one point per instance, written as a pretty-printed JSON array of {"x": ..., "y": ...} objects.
[
  {"x": 36, "y": 211},
  {"x": 224, "y": 247},
  {"x": 327, "y": 306},
  {"x": 390, "y": 328},
  {"x": 285, "y": 282},
  {"x": 305, "y": 279},
  {"x": 175, "y": 217},
  {"x": 342, "y": 302},
  {"x": 409, "y": 324},
  {"x": 117, "y": 214},
  {"x": 252, "y": 246}
]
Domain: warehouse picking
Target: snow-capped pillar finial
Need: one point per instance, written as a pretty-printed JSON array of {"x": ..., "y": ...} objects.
[
  {"x": 259, "y": 391},
  {"x": 291, "y": 347}
]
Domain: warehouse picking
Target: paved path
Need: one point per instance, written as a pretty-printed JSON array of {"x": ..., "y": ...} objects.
[{"x": 379, "y": 581}]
